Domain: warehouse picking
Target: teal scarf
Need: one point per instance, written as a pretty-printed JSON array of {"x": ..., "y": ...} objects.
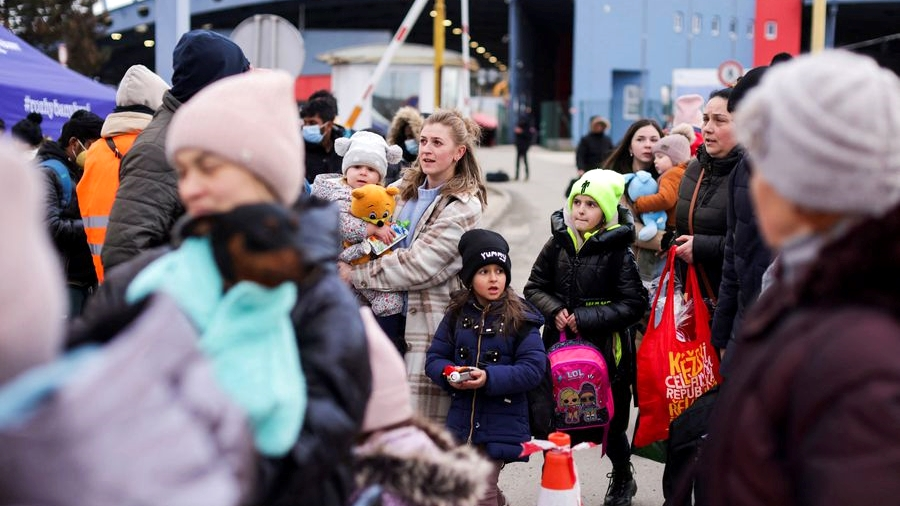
[{"x": 247, "y": 334}]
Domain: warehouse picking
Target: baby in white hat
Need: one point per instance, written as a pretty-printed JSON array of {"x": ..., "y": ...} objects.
[{"x": 366, "y": 158}]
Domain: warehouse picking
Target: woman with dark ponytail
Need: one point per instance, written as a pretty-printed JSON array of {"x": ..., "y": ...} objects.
[{"x": 28, "y": 131}]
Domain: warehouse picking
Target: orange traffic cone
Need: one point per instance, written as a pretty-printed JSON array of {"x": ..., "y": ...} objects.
[{"x": 559, "y": 481}]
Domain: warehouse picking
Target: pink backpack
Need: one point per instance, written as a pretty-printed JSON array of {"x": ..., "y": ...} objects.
[{"x": 581, "y": 386}]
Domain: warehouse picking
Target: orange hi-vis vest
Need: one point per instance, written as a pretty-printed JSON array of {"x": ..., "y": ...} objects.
[{"x": 97, "y": 190}]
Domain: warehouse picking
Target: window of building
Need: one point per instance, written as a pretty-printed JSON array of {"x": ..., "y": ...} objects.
[
  {"x": 714, "y": 26},
  {"x": 771, "y": 30},
  {"x": 696, "y": 24},
  {"x": 631, "y": 102},
  {"x": 750, "y": 29},
  {"x": 678, "y": 22},
  {"x": 733, "y": 28}
]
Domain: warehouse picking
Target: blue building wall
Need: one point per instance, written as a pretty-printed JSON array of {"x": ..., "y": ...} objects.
[{"x": 619, "y": 42}]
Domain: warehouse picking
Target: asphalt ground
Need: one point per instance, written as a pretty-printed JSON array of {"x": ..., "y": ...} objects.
[{"x": 520, "y": 211}]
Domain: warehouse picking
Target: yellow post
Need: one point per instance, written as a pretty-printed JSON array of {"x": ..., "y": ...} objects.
[
  {"x": 439, "y": 44},
  {"x": 817, "y": 37}
]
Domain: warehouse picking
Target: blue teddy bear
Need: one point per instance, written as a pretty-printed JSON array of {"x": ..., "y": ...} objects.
[{"x": 640, "y": 184}]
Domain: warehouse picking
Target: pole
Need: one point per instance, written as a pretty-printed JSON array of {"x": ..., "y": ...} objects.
[
  {"x": 439, "y": 44},
  {"x": 386, "y": 58},
  {"x": 173, "y": 19},
  {"x": 817, "y": 39},
  {"x": 465, "y": 91}
]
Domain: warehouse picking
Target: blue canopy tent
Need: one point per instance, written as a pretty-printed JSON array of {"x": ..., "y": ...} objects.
[{"x": 30, "y": 81}]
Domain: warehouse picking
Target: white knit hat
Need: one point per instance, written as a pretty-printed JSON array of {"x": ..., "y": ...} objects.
[
  {"x": 250, "y": 119},
  {"x": 32, "y": 305},
  {"x": 369, "y": 149},
  {"x": 824, "y": 131},
  {"x": 140, "y": 86}
]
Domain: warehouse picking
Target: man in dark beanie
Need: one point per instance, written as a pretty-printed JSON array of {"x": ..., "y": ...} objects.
[
  {"x": 147, "y": 204},
  {"x": 480, "y": 247},
  {"x": 62, "y": 163}
]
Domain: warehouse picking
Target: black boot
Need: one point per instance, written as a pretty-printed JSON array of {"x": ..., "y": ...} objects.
[{"x": 622, "y": 486}]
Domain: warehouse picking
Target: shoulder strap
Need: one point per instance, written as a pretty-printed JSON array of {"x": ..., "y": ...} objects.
[
  {"x": 112, "y": 146},
  {"x": 706, "y": 283},
  {"x": 62, "y": 173}
]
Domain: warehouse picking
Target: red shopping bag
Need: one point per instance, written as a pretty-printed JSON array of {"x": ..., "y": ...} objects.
[{"x": 676, "y": 363}]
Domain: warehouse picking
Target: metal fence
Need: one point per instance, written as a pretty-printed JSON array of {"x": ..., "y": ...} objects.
[{"x": 562, "y": 124}]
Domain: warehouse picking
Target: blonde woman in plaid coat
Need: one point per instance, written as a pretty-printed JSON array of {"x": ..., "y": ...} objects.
[{"x": 443, "y": 196}]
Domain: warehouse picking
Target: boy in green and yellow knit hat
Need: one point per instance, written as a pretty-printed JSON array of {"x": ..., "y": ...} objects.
[{"x": 585, "y": 281}]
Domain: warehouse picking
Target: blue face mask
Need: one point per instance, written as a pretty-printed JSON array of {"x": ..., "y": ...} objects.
[
  {"x": 313, "y": 134},
  {"x": 412, "y": 146}
]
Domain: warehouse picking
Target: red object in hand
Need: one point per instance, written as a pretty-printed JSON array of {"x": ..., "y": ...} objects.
[{"x": 457, "y": 374}]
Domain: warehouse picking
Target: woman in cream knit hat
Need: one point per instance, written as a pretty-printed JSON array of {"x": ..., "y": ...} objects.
[{"x": 809, "y": 415}]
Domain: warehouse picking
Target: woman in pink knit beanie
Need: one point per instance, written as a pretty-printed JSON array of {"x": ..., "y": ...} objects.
[
  {"x": 75, "y": 427},
  {"x": 253, "y": 269}
]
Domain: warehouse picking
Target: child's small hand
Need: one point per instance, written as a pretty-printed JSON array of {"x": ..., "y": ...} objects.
[
  {"x": 562, "y": 319},
  {"x": 479, "y": 378},
  {"x": 570, "y": 321},
  {"x": 384, "y": 234}
]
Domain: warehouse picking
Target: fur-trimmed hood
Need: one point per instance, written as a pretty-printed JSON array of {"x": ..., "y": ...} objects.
[
  {"x": 421, "y": 465},
  {"x": 404, "y": 116}
]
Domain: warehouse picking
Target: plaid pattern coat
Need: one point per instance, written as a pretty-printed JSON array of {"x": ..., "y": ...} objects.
[{"x": 427, "y": 270}]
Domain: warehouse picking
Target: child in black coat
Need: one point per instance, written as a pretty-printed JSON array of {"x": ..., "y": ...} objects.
[{"x": 585, "y": 281}]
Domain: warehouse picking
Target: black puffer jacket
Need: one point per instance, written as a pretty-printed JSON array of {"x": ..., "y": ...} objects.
[
  {"x": 147, "y": 203},
  {"x": 599, "y": 283},
  {"x": 746, "y": 259},
  {"x": 710, "y": 213},
  {"x": 333, "y": 354},
  {"x": 64, "y": 223}
]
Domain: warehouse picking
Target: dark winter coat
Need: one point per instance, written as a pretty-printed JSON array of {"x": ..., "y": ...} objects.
[
  {"x": 147, "y": 203},
  {"x": 525, "y": 133},
  {"x": 140, "y": 421},
  {"x": 599, "y": 283},
  {"x": 809, "y": 414},
  {"x": 496, "y": 415},
  {"x": 593, "y": 149},
  {"x": 334, "y": 357},
  {"x": 710, "y": 213},
  {"x": 746, "y": 259},
  {"x": 320, "y": 161},
  {"x": 65, "y": 224}
]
